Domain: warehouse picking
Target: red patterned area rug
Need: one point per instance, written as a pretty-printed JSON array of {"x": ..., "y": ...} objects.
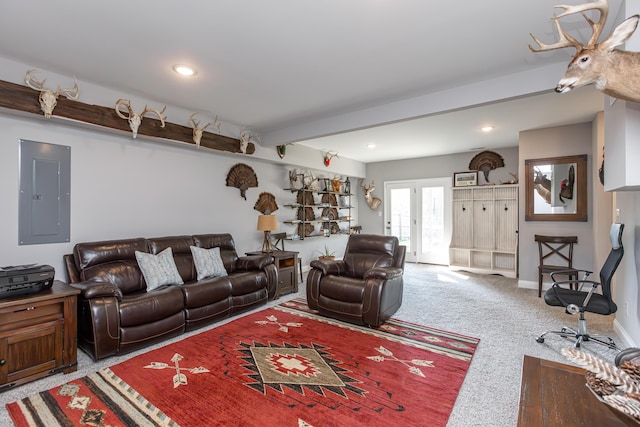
[{"x": 283, "y": 366}]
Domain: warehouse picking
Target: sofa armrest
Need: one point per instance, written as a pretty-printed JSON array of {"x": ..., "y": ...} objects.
[
  {"x": 253, "y": 262},
  {"x": 91, "y": 289},
  {"x": 329, "y": 266},
  {"x": 385, "y": 273}
]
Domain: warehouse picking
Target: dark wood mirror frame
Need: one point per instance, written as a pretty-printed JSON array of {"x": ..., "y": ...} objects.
[{"x": 580, "y": 185}]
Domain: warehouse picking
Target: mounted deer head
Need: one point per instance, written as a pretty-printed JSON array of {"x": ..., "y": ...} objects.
[
  {"x": 197, "y": 131},
  {"x": 246, "y": 137},
  {"x": 373, "y": 202},
  {"x": 615, "y": 72},
  {"x": 134, "y": 118},
  {"x": 327, "y": 158},
  {"x": 48, "y": 98}
]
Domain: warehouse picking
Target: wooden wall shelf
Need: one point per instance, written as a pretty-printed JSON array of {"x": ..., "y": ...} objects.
[{"x": 25, "y": 99}]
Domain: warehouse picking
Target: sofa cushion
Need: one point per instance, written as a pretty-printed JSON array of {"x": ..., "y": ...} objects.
[
  {"x": 208, "y": 262},
  {"x": 158, "y": 269},
  {"x": 147, "y": 307}
]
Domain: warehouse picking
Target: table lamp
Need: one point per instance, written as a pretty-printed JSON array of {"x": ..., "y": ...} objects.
[{"x": 267, "y": 223}]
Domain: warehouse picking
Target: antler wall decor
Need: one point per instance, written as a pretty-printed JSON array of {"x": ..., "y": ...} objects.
[
  {"x": 134, "y": 118},
  {"x": 245, "y": 138},
  {"x": 614, "y": 72},
  {"x": 373, "y": 202},
  {"x": 197, "y": 131},
  {"x": 328, "y": 156},
  {"x": 20, "y": 97},
  {"x": 48, "y": 98}
]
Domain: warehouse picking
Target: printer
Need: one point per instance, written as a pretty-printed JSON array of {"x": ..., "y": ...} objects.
[{"x": 16, "y": 280}]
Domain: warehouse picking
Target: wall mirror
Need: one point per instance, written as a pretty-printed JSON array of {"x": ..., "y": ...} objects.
[{"x": 556, "y": 189}]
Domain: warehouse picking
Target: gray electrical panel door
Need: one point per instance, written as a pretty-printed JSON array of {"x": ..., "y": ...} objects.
[{"x": 45, "y": 193}]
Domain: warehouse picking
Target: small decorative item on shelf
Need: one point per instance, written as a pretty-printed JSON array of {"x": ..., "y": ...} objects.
[
  {"x": 305, "y": 198},
  {"x": 615, "y": 386},
  {"x": 329, "y": 199},
  {"x": 326, "y": 254},
  {"x": 337, "y": 185}
]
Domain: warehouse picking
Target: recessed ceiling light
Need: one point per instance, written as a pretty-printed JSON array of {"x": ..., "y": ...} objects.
[
  {"x": 371, "y": 145},
  {"x": 185, "y": 70},
  {"x": 487, "y": 128}
]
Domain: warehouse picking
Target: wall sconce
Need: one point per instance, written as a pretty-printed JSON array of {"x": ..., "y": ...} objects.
[{"x": 267, "y": 223}]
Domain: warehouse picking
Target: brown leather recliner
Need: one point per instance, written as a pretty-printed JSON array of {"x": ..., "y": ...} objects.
[{"x": 365, "y": 287}]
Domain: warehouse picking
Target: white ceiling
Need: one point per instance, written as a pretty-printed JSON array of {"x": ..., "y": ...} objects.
[{"x": 283, "y": 67}]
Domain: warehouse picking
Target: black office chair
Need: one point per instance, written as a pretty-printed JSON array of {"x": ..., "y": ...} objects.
[{"x": 579, "y": 301}]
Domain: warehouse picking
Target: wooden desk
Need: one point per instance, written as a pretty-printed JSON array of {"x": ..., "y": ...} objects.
[{"x": 555, "y": 394}]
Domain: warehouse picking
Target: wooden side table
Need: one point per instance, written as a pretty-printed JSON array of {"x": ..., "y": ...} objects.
[
  {"x": 286, "y": 263},
  {"x": 38, "y": 335},
  {"x": 555, "y": 394}
]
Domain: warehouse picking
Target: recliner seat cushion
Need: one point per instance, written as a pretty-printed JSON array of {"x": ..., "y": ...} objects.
[
  {"x": 343, "y": 289},
  {"x": 143, "y": 308},
  {"x": 247, "y": 282}
]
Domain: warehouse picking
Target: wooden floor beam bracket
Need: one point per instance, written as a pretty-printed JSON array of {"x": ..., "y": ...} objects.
[{"x": 22, "y": 98}]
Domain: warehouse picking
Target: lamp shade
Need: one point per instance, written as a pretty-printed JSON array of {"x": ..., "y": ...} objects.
[{"x": 267, "y": 222}]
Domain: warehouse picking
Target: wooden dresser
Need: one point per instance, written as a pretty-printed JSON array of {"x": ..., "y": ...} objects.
[{"x": 38, "y": 335}]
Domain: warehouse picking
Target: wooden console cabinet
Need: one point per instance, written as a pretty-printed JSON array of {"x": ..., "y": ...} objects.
[
  {"x": 286, "y": 263},
  {"x": 38, "y": 335}
]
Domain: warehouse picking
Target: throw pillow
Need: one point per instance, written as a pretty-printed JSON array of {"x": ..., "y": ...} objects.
[
  {"x": 159, "y": 269},
  {"x": 208, "y": 262}
]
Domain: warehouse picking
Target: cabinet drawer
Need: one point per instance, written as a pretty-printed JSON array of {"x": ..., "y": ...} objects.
[{"x": 26, "y": 315}]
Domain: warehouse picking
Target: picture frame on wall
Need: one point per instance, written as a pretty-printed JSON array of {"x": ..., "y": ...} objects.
[{"x": 465, "y": 179}]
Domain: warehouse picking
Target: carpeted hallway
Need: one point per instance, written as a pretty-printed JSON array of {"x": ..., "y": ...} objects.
[{"x": 492, "y": 308}]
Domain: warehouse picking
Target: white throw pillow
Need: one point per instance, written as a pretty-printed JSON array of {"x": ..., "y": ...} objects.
[
  {"x": 208, "y": 262},
  {"x": 159, "y": 269}
]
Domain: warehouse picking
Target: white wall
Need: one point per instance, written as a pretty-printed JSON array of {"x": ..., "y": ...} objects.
[
  {"x": 121, "y": 188},
  {"x": 427, "y": 167},
  {"x": 555, "y": 142}
]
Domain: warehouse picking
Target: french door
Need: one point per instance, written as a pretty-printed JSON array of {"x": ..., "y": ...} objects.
[{"x": 419, "y": 214}]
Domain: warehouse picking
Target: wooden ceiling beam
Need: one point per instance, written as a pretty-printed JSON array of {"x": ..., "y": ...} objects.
[{"x": 25, "y": 99}]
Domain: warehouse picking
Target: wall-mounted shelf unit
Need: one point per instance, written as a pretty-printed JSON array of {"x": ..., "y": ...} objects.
[
  {"x": 485, "y": 230},
  {"x": 322, "y": 211}
]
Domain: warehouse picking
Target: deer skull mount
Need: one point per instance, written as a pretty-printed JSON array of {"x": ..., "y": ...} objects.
[
  {"x": 134, "y": 118},
  {"x": 198, "y": 131},
  {"x": 327, "y": 158},
  {"x": 373, "y": 202},
  {"x": 594, "y": 62},
  {"x": 48, "y": 98},
  {"x": 246, "y": 137}
]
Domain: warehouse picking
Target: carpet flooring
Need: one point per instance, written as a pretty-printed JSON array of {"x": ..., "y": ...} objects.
[{"x": 505, "y": 318}]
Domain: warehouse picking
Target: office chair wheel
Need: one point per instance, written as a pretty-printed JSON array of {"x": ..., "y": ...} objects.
[{"x": 540, "y": 340}]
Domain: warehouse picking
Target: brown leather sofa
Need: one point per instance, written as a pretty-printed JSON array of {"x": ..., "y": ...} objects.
[
  {"x": 365, "y": 287},
  {"x": 117, "y": 315}
]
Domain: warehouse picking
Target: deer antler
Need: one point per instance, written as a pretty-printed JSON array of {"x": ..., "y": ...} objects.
[
  {"x": 156, "y": 112},
  {"x": 134, "y": 118},
  {"x": 246, "y": 137},
  {"x": 197, "y": 131},
  {"x": 565, "y": 39},
  {"x": 48, "y": 98}
]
